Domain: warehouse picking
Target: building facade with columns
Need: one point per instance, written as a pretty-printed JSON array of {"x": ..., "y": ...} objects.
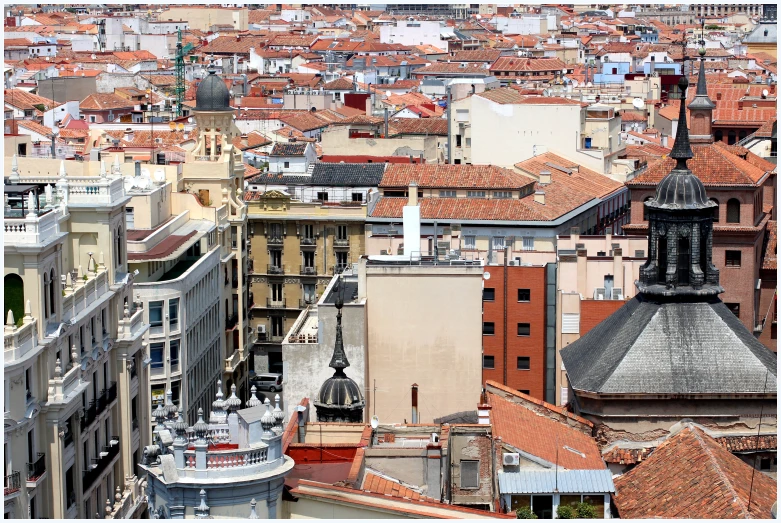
[
  {"x": 229, "y": 467},
  {"x": 74, "y": 364}
]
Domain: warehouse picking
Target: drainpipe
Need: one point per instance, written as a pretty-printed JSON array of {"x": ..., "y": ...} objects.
[
  {"x": 385, "y": 134},
  {"x": 414, "y": 403}
]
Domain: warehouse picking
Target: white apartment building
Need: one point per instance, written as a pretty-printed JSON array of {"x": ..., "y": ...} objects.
[
  {"x": 413, "y": 32},
  {"x": 501, "y": 127},
  {"x": 75, "y": 373}
]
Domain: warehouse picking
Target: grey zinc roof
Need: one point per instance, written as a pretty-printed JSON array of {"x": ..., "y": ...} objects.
[
  {"x": 348, "y": 174},
  {"x": 561, "y": 481},
  {"x": 757, "y": 36},
  {"x": 648, "y": 347}
]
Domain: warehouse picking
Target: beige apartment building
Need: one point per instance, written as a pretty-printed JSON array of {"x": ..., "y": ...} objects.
[
  {"x": 75, "y": 373},
  {"x": 205, "y": 18},
  {"x": 302, "y": 231},
  {"x": 595, "y": 276},
  {"x": 410, "y": 322}
]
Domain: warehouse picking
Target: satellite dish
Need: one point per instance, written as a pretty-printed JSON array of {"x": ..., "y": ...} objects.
[
  {"x": 388, "y": 93},
  {"x": 93, "y": 56},
  {"x": 375, "y": 422},
  {"x": 564, "y": 71},
  {"x": 574, "y": 83},
  {"x": 486, "y": 275},
  {"x": 190, "y": 120},
  {"x": 638, "y": 103},
  {"x": 589, "y": 84},
  {"x": 517, "y": 81},
  {"x": 764, "y": 93}
]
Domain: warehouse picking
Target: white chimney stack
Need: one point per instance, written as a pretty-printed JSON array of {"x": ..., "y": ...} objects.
[{"x": 411, "y": 217}]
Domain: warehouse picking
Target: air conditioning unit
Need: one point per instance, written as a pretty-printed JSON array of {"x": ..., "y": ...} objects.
[
  {"x": 443, "y": 246},
  {"x": 512, "y": 263},
  {"x": 261, "y": 329},
  {"x": 639, "y": 254},
  {"x": 383, "y": 253},
  {"x": 618, "y": 293},
  {"x": 599, "y": 293},
  {"x": 511, "y": 459}
]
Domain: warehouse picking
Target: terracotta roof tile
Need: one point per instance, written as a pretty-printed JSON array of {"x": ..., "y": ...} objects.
[
  {"x": 691, "y": 476},
  {"x": 479, "y": 55},
  {"x": 714, "y": 164},
  {"x": 542, "y": 436},
  {"x": 104, "y": 102},
  {"x": 498, "y": 209},
  {"x": 304, "y": 122},
  {"x": 455, "y": 176},
  {"x": 377, "y": 484},
  {"x": 513, "y": 63}
]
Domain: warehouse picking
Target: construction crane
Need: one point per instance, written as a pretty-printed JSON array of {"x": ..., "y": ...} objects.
[{"x": 181, "y": 52}]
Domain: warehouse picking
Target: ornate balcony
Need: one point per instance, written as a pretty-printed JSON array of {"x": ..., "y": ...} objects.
[
  {"x": 341, "y": 243},
  {"x": 12, "y": 485},
  {"x": 308, "y": 243},
  {"x": 308, "y": 271},
  {"x": 278, "y": 270},
  {"x": 275, "y": 241},
  {"x": 275, "y": 304}
]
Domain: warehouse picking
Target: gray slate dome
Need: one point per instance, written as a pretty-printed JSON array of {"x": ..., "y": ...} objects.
[
  {"x": 680, "y": 190},
  {"x": 212, "y": 94}
]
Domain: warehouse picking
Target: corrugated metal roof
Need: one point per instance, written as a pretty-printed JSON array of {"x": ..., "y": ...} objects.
[{"x": 545, "y": 482}]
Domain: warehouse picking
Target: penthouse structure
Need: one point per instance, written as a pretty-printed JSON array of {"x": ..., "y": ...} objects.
[{"x": 75, "y": 369}]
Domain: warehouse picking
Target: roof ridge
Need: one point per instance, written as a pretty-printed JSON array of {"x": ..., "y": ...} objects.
[{"x": 715, "y": 465}]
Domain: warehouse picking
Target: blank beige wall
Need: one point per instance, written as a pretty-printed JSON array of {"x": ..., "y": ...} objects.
[{"x": 425, "y": 327}]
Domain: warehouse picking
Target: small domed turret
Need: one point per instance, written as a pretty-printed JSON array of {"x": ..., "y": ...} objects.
[{"x": 212, "y": 94}]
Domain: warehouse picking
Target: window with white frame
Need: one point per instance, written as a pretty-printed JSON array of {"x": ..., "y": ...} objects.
[
  {"x": 475, "y": 194},
  {"x": 470, "y": 242},
  {"x": 497, "y": 243},
  {"x": 528, "y": 243}
]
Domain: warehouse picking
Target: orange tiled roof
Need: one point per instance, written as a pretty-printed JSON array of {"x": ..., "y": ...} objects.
[
  {"x": 104, "y": 102},
  {"x": 304, "y": 121},
  {"x": 513, "y": 63},
  {"x": 21, "y": 99},
  {"x": 454, "y": 176},
  {"x": 691, "y": 475},
  {"x": 380, "y": 485},
  {"x": 714, "y": 164},
  {"x": 542, "y": 436},
  {"x": 495, "y": 209}
]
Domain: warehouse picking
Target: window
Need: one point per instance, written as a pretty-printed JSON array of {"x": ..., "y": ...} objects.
[
  {"x": 175, "y": 392},
  {"x": 322, "y": 196},
  {"x": 458, "y": 140},
  {"x": 287, "y": 165},
  {"x": 764, "y": 464},
  {"x": 732, "y": 258},
  {"x": 309, "y": 260},
  {"x": 734, "y": 307},
  {"x": 528, "y": 243},
  {"x": 470, "y": 474},
  {"x": 155, "y": 313},
  {"x": 524, "y": 363},
  {"x": 277, "y": 326},
  {"x": 309, "y": 293},
  {"x": 341, "y": 261},
  {"x": 475, "y": 194},
  {"x": 308, "y": 231},
  {"x": 488, "y": 362},
  {"x": 447, "y": 194},
  {"x": 488, "y": 294},
  {"x": 358, "y": 197},
  {"x": 174, "y": 351},
  {"x": 524, "y": 329},
  {"x": 524, "y": 294},
  {"x": 276, "y": 292},
  {"x": 503, "y": 194},
  {"x": 156, "y": 354},
  {"x": 488, "y": 328},
  {"x": 497, "y": 243},
  {"x": 173, "y": 313},
  {"x": 341, "y": 232},
  {"x": 524, "y": 391},
  {"x": 733, "y": 210},
  {"x": 470, "y": 242}
]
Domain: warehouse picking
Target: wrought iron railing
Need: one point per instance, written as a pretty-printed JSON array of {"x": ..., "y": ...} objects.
[
  {"x": 275, "y": 304},
  {"x": 100, "y": 463},
  {"x": 37, "y": 469},
  {"x": 12, "y": 483}
]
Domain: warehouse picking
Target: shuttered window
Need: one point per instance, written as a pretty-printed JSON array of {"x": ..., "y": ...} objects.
[{"x": 570, "y": 323}]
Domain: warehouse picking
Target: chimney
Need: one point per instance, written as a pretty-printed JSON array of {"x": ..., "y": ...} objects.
[
  {"x": 740, "y": 105},
  {"x": 539, "y": 197},
  {"x": 618, "y": 268},
  {"x": 582, "y": 271},
  {"x": 574, "y": 234},
  {"x": 244, "y": 142},
  {"x": 483, "y": 414},
  {"x": 414, "y": 403},
  {"x": 411, "y": 222},
  {"x": 545, "y": 178}
]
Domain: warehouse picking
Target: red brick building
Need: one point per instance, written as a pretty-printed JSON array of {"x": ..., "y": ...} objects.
[
  {"x": 514, "y": 327},
  {"x": 743, "y": 185}
]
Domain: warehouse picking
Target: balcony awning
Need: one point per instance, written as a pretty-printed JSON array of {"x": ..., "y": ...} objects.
[
  {"x": 561, "y": 481},
  {"x": 142, "y": 157}
]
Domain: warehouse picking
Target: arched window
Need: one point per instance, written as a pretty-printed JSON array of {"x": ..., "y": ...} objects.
[
  {"x": 120, "y": 245},
  {"x": 662, "y": 259},
  {"x": 715, "y": 210},
  {"x": 52, "y": 293},
  {"x": 45, "y": 295},
  {"x": 733, "y": 211},
  {"x": 684, "y": 261},
  {"x": 731, "y": 137},
  {"x": 718, "y": 135},
  {"x": 13, "y": 296},
  {"x": 645, "y": 209}
]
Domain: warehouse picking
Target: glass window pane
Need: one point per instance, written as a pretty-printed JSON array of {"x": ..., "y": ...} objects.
[{"x": 155, "y": 313}]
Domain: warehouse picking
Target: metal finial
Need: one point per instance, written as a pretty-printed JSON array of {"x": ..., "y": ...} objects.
[{"x": 682, "y": 150}]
